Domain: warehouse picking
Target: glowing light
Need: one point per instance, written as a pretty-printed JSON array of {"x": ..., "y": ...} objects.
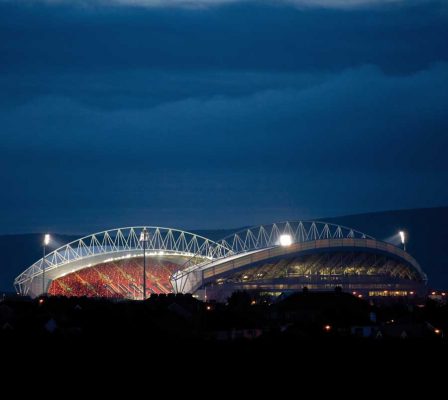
[
  {"x": 433, "y": 293},
  {"x": 208, "y": 308},
  {"x": 285, "y": 240},
  {"x": 402, "y": 237},
  {"x": 411, "y": 293},
  {"x": 47, "y": 239},
  {"x": 144, "y": 235},
  {"x": 41, "y": 301},
  {"x": 359, "y": 295},
  {"x": 354, "y": 293},
  {"x": 327, "y": 328},
  {"x": 253, "y": 302},
  {"x": 437, "y": 331}
]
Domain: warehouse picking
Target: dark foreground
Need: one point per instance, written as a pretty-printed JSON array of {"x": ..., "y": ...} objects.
[{"x": 305, "y": 328}]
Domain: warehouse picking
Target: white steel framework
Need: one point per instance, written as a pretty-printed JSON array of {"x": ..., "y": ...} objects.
[
  {"x": 263, "y": 236},
  {"x": 259, "y": 242},
  {"x": 114, "y": 243},
  {"x": 201, "y": 254},
  {"x": 268, "y": 235}
]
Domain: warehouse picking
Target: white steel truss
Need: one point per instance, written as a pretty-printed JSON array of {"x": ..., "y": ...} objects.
[
  {"x": 161, "y": 241},
  {"x": 178, "y": 242},
  {"x": 305, "y": 235},
  {"x": 263, "y": 236},
  {"x": 266, "y": 236}
]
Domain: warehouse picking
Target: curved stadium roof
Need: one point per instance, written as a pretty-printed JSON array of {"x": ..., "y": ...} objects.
[
  {"x": 261, "y": 243},
  {"x": 114, "y": 244},
  {"x": 201, "y": 256}
]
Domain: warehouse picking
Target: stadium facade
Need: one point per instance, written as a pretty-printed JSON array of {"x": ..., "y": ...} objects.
[{"x": 268, "y": 259}]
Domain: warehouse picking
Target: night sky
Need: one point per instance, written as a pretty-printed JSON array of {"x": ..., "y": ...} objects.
[{"x": 219, "y": 113}]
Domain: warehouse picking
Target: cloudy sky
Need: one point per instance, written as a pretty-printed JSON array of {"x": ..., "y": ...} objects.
[{"x": 219, "y": 113}]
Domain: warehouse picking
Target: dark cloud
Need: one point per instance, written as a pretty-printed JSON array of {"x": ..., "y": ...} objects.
[
  {"x": 227, "y": 116},
  {"x": 355, "y": 109},
  {"x": 242, "y": 36}
]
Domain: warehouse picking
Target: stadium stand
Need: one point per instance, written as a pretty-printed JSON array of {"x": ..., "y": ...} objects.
[{"x": 118, "y": 279}]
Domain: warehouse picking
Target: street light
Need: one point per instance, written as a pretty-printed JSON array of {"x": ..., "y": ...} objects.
[
  {"x": 403, "y": 239},
  {"x": 144, "y": 238},
  {"x": 47, "y": 239}
]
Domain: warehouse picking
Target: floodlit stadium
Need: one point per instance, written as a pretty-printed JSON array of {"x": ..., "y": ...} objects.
[
  {"x": 110, "y": 263},
  {"x": 268, "y": 259}
]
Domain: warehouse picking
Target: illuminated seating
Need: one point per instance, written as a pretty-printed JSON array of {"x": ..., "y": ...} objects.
[{"x": 117, "y": 279}]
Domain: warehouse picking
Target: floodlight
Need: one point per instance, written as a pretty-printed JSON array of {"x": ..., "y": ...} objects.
[{"x": 285, "y": 240}]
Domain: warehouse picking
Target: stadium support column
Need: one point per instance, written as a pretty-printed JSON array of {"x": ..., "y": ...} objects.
[
  {"x": 144, "y": 236},
  {"x": 44, "y": 261},
  {"x": 144, "y": 270}
]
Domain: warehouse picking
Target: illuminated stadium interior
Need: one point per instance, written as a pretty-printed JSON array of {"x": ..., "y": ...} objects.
[
  {"x": 119, "y": 279},
  {"x": 361, "y": 272},
  {"x": 106, "y": 263},
  {"x": 275, "y": 258}
]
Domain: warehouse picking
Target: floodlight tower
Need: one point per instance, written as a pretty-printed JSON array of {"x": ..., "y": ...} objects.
[
  {"x": 47, "y": 239},
  {"x": 403, "y": 239}
]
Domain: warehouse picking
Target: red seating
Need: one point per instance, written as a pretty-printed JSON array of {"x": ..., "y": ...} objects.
[{"x": 117, "y": 279}]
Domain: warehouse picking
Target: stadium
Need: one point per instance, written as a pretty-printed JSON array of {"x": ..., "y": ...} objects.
[{"x": 136, "y": 262}]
